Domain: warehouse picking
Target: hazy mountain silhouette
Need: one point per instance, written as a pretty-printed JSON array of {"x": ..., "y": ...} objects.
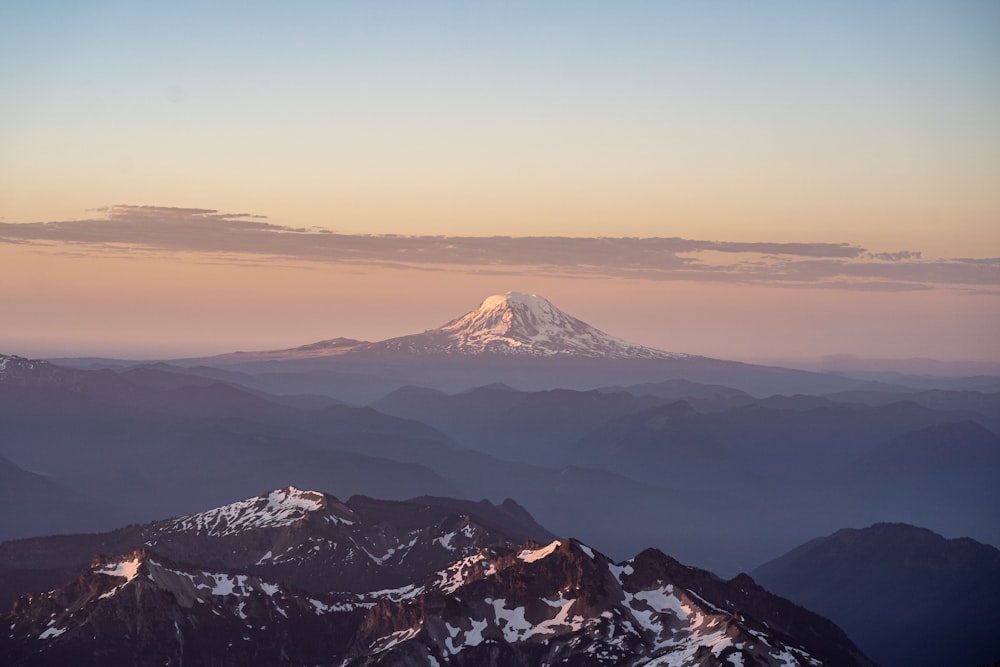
[
  {"x": 764, "y": 475},
  {"x": 906, "y": 595}
]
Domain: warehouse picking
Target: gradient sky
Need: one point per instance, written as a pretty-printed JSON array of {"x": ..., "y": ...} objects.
[{"x": 178, "y": 178}]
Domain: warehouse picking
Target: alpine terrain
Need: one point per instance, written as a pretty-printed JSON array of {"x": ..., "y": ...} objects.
[
  {"x": 299, "y": 578},
  {"x": 305, "y": 538}
]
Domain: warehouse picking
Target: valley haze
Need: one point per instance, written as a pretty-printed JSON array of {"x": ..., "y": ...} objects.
[{"x": 549, "y": 405}]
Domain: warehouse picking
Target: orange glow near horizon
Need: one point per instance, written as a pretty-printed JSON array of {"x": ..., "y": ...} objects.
[{"x": 61, "y": 302}]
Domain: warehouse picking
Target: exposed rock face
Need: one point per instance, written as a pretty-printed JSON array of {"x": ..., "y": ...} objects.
[{"x": 532, "y": 605}]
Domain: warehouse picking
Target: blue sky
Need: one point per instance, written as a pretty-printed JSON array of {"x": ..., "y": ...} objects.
[{"x": 787, "y": 107}]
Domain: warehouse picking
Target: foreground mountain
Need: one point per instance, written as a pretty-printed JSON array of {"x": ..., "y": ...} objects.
[
  {"x": 305, "y": 538},
  {"x": 197, "y": 593},
  {"x": 891, "y": 583},
  {"x": 565, "y": 603}
]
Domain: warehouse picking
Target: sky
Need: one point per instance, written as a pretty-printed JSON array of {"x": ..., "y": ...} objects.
[{"x": 759, "y": 181}]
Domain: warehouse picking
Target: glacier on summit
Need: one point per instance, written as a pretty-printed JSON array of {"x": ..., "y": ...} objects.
[{"x": 521, "y": 324}]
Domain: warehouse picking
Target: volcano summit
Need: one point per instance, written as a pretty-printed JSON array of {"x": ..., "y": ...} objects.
[{"x": 520, "y": 324}]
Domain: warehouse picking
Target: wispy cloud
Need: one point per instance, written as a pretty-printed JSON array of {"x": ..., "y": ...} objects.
[{"x": 244, "y": 236}]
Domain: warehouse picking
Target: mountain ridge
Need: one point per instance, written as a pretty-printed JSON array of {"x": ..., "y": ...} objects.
[{"x": 485, "y": 601}]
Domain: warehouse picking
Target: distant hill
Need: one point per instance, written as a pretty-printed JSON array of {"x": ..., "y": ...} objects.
[{"x": 907, "y": 596}]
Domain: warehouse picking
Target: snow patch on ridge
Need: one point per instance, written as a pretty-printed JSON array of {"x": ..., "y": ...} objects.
[
  {"x": 531, "y": 555},
  {"x": 52, "y": 632},
  {"x": 398, "y": 637},
  {"x": 126, "y": 569},
  {"x": 472, "y": 637}
]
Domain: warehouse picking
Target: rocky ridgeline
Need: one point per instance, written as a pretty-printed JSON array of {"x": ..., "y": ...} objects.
[{"x": 263, "y": 581}]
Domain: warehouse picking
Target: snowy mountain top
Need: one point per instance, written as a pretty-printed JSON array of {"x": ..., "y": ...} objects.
[
  {"x": 272, "y": 510},
  {"x": 314, "y": 541},
  {"x": 539, "y": 306},
  {"x": 523, "y": 325},
  {"x": 506, "y": 324}
]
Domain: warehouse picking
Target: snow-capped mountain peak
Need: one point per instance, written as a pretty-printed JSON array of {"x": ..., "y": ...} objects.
[
  {"x": 523, "y": 325},
  {"x": 271, "y": 510},
  {"x": 512, "y": 324},
  {"x": 519, "y": 318}
]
